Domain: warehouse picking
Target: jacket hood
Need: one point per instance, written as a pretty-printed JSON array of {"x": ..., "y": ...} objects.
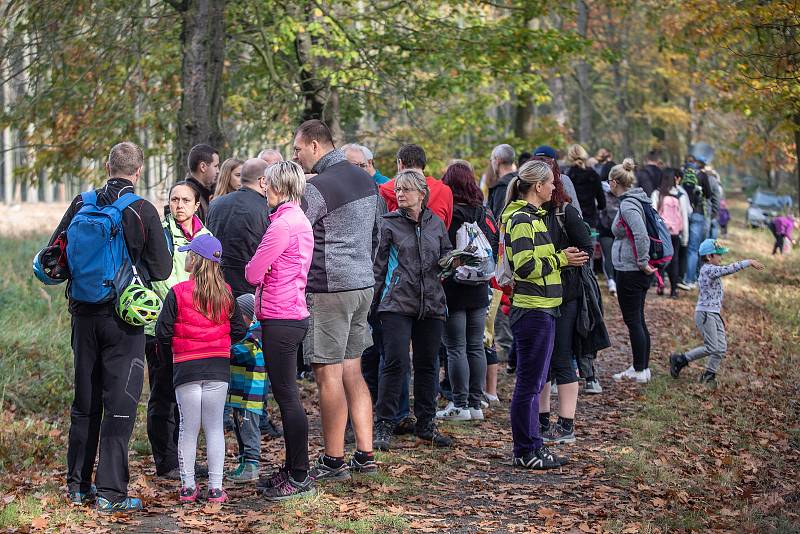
[
  {"x": 517, "y": 205},
  {"x": 637, "y": 193}
]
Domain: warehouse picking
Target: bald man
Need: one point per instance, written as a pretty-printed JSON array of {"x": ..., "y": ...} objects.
[
  {"x": 271, "y": 156},
  {"x": 239, "y": 221}
]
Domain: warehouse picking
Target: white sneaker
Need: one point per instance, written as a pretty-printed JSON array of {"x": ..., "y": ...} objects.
[
  {"x": 648, "y": 374},
  {"x": 642, "y": 377},
  {"x": 476, "y": 414},
  {"x": 612, "y": 287},
  {"x": 454, "y": 414},
  {"x": 593, "y": 387},
  {"x": 627, "y": 374},
  {"x": 450, "y": 406},
  {"x": 491, "y": 399}
]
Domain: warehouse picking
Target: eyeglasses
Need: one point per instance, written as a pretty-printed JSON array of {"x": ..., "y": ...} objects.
[
  {"x": 404, "y": 189},
  {"x": 362, "y": 165}
]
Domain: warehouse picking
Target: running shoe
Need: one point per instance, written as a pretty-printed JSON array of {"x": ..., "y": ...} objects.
[
  {"x": 273, "y": 480},
  {"x": 291, "y": 489},
  {"x": 246, "y": 473},
  {"x": 539, "y": 459},
  {"x": 454, "y": 413},
  {"x": 216, "y": 495},
  {"x": 79, "y": 498},
  {"x": 558, "y": 435},
  {"x": 368, "y": 467},
  {"x": 322, "y": 472},
  {"x": 126, "y": 505},
  {"x": 592, "y": 386},
  {"x": 189, "y": 494}
]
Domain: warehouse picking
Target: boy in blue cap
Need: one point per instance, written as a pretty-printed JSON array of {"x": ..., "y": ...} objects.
[{"x": 707, "y": 312}]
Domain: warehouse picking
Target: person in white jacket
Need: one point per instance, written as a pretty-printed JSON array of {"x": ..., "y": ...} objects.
[{"x": 672, "y": 203}]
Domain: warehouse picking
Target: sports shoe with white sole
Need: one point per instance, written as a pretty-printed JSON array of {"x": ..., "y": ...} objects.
[
  {"x": 453, "y": 413},
  {"x": 593, "y": 387},
  {"x": 476, "y": 414}
]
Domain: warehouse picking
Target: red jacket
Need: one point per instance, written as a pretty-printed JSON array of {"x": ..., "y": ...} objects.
[
  {"x": 440, "y": 199},
  {"x": 196, "y": 337}
]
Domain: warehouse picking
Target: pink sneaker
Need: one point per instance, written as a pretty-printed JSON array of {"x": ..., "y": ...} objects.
[
  {"x": 189, "y": 494},
  {"x": 217, "y": 495}
]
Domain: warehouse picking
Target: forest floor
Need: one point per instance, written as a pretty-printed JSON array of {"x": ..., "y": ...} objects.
[{"x": 669, "y": 456}]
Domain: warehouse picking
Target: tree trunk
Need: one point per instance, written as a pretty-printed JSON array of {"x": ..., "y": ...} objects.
[
  {"x": 203, "y": 48},
  {"x": 797, "y": 153},
  {"x": 523, "y": 118},
  {"x": 584, "y": 87}
]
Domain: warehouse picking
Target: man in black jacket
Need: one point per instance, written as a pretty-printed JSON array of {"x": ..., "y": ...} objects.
[
  {"x": 203, "y": 164},
  {"x": 108, "y": 352},
  {"x": 239, "y": 220},
  {"x": 503, "y": 165},
  {"x": 649, "y": 177}
]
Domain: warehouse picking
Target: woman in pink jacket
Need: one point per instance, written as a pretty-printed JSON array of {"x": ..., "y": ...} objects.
[{"x": 279, "y": 269}]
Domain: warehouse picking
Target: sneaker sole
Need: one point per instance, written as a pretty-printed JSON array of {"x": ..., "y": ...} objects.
[
  {"x": 299, "y": 495},
  {"x": 560, "y": 441},
  {"x": 336, "y": 478}
]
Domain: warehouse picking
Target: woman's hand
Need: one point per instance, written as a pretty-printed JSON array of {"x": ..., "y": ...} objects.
[
  {"x": 648, "y": 269},
  {"x": 575, "y": 256},
  {"x": 757, "y": 265}
]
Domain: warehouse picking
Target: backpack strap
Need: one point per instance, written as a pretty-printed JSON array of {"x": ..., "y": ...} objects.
[
  {"x": 89, "y": 198},
  {"x": 125, "y": 200}
]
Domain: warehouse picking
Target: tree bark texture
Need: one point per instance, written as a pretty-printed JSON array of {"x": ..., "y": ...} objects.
[{"x": 203, "y": 48}]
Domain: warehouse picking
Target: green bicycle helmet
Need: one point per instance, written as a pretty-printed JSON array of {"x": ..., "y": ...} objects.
[{"x": 138, "y": 305}]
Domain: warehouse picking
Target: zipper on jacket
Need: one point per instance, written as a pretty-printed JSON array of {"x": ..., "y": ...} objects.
[{"x": 421, "y": 269}]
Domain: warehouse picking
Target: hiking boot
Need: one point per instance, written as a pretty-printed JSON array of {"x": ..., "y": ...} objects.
[
  {"x": 476, "y": 414},
  {"x": 592, "y": 386},
  {"x": 382, "y": 436},
  {"x": 246, "y": 473},
  {"x": 677, "y": 361},
  {"x": 540, "y": 459},
  {"x": 558, "y": 435},
  {"x": 268, "y": 428},
  {"x": 273, "y": 480},
  {"x": 291, "y": 489},
  {"x": 406, "y": 425},
  {"x": 80, "y": 498},
  {"x": 432, "y": 435},
  {"x": 216, "y": 495},
  {"x": 322, "y": 472},
  {"x": 189, "y": 494},
  {"x": 368, "y": 467},
  {"x": 172, "y": 474},
  {"x": 709, "y": 378},
  {"x": 454, "y": 413},
  {"x": 126, "y": 505}
]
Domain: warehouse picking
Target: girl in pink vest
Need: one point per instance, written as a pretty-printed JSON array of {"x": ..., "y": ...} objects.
[{"x": 198, "y": 324}]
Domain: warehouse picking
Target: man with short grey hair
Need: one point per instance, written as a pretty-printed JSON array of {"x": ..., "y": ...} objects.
[
  {"x": 271, "y": 156},
  {"x": 361, "y": 156},
  {"x": 502, "y": 161}
]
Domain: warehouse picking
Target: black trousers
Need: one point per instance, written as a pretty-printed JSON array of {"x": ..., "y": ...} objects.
[
  {"x": 162, "y": 410},
  {"x": 561, "y": 369},
  {"x": 109, "y": 373},
  {"x": 280, "y": 339},
  {"x": 673, "y": 269},
  {"x": 632, "y": 289},
  {"x": 425, "y": 336},
  {"x": 371, "y": 359}
]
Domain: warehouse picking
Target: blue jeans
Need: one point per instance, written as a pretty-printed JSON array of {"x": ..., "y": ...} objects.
[
  {"x": 697, "y": 233},
  {"x": 248, "y": 436}
]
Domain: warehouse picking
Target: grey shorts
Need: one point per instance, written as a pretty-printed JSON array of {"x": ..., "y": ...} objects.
[{"x": 338, "y": 328}]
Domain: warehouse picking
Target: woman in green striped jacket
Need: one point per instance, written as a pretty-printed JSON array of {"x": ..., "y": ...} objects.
[{"x": 537, "y": 295}]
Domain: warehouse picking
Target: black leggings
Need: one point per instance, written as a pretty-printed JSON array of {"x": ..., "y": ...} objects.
[
  {"x": 632, "y": 289},
  {"x": 561, "y": 369},
  {"x": 280, "y": 339},
  {"x": 673, "y": 269}
]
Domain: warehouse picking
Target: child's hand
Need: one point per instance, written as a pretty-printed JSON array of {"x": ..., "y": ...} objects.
[{"x": 757, "y": 264}]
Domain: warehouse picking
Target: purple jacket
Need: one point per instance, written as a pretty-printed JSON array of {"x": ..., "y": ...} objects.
[
  {"x": 784, "y": 225},
  {"x": 280, "y": 265}
]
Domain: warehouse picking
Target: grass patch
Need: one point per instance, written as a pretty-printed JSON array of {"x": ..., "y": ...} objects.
[
  {"x": 23, "y": 510},
  {"x": 379, "y": 523}
]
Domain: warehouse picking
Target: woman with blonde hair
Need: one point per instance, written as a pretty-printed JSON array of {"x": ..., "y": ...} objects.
[
  {"x": 230, "y": 177},
  {"x": 536, "y": 267},
  {"x": 631, "y": 254}
]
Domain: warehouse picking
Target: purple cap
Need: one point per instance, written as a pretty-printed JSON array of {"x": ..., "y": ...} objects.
[
  {"x": 546, "y": 151},
  {"x": 205, "y": 245}
]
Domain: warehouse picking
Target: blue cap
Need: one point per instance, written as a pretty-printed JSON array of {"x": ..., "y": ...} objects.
[
  {"x": 710, "y": 246},
  {"x": 206, "y": 245},
  {"x": 546, "y": 151}
]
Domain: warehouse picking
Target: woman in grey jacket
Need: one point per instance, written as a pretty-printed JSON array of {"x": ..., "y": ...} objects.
[
  {"x": 630, "y": 254},
  {"x": 410, "y": 304}
]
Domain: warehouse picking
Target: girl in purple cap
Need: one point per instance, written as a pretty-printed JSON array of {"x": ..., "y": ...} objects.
[{"x": 198, "y": 323}]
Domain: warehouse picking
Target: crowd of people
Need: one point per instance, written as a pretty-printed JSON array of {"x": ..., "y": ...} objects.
[{"x": 262, "y": 266}]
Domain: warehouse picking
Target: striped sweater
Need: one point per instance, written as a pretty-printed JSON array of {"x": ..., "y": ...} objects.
[{"x": 532, "y": 256}]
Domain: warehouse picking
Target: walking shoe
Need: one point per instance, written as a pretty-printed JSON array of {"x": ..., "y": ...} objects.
[
  {"x": 612, "y": 287},
  {"x": 79, "y": 498},
  {"x": 432, "y": 435},
  {"x": 476, "y": 414},
  {"x": 382, "y": 436},
  {"x": 406, "y": 425},
  {"x": 273, "y": 480},
  {"x": 172, "y": 474},
  {"x": 216, "y": 495},
  {"x": 484, "y": 403},
  {"x": 539, "y": 459},
  {"x": 189, "y": 494},
  {"x": 291, "y": 489},
  {"x": 592, "y": 386},
  {"x": 709, "y": 378},
  {"x": 558, "y": 435},
  {"x": 624, "y": 375},
  {"x": 641, "y": 377},
  {"x": 677, "y": 361},
  {"x": 128, "y": 504},
  {"x": 454, "y": 413},
  {"x": 246, "y": 473},
  {"x": 491, "y": 399},
  {"x": 268, "y": 428},
  {"x": 321, "y": 471},
  {"x": 368, "y": 467}
]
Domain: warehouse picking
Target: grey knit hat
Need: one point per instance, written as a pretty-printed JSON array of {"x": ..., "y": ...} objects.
[{"x": 247, "y": 304}]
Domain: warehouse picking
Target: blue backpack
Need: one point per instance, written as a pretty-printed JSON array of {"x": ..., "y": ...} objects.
[
  {"x": 97, "y": 254},
  {"x": 661, "y": 250}
]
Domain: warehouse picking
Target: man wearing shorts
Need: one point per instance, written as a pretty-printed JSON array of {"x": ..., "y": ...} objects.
[{"x": 341, "y": 201}]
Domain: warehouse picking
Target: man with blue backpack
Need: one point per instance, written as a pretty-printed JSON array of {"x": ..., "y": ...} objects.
[{"x": 115, "y": 246}]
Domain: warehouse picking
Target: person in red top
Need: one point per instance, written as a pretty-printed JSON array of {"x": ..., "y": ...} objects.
[{"x": 440, "y": 200}]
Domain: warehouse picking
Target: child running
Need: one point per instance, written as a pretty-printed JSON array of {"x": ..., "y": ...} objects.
[
  {"x": 198, "y": 323},
  {"x": 707, "y": 312},
  {"x": 246, "y": 394}
]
